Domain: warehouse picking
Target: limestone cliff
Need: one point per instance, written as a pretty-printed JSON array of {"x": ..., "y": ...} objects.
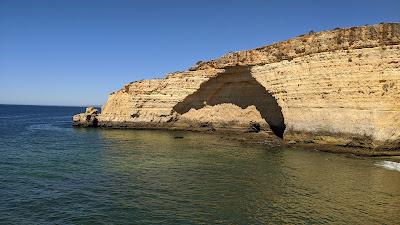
[{"x": 337, "y": 87}]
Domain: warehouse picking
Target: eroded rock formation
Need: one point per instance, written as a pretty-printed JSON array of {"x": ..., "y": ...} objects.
[
  {"x": 86, "y": 119},
  {"x": 337, "y": 87}
]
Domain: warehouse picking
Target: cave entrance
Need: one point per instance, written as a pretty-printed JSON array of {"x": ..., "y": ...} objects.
[{"x": 236, "y": 86}]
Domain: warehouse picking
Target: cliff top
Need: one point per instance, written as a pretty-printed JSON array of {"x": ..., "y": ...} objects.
[{"x": 314, "y": 42}]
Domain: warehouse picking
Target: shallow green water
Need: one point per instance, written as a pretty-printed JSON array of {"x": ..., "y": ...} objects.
[{"x": 51, "y": 173}]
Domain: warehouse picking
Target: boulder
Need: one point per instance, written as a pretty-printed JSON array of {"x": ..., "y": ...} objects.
[{"x": 86, "y": 119}]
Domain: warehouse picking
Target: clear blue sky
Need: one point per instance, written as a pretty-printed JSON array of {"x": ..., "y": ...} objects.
[{"x": 77, "y": 52}]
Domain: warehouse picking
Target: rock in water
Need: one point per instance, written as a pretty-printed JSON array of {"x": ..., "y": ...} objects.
[{"x": 86, "y": 119}]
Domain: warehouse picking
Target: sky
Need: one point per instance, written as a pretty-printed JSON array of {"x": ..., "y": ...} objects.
[{"x": 73, "y": 52}]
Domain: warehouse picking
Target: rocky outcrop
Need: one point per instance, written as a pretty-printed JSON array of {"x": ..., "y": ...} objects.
[
  {"x": 338, "y": 87},
  {"x": 86, "y": 119}
]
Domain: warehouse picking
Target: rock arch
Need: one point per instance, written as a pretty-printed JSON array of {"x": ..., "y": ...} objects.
[
  {"x": 236, "y": 86},
  {"x": 319, "y": 79}
]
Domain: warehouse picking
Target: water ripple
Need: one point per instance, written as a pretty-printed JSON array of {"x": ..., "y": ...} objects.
[{"x": 51, "y": 173}]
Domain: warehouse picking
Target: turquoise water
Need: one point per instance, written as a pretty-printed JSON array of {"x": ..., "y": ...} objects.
[{"x": 51, "y": 173}]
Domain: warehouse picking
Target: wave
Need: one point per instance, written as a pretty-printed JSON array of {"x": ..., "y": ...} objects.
[
  {"x": 389, "y": 165},
  {"x": 14, "y": 116},
  {"x": 47, "y": 127}
]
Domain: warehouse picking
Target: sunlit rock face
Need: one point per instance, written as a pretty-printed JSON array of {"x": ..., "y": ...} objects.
[
  {"x": 337, "y": 87},
  {"x": 238, "y": 87},
  {"x": 86, "y": 119}
]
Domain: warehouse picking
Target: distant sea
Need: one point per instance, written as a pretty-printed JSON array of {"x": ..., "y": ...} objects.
[{"x": 51, "y": 173}]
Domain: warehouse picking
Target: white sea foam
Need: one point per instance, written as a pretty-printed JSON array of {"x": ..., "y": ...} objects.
[{"x": 389, "y": 165}]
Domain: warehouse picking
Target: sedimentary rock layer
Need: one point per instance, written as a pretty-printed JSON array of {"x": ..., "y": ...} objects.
[{"x": 337, "y": 87}]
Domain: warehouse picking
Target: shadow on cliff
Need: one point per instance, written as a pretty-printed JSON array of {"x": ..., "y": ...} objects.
[{"x": 238, "y": 87}]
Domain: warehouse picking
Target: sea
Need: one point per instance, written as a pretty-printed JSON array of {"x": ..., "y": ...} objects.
[{"x": 52, "y": 173}]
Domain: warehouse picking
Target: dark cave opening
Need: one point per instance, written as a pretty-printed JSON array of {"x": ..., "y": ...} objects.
[{"x": 237, "y": 86}]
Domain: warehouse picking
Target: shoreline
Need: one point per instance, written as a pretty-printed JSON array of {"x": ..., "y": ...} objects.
[{"x": 266, "y": 138}]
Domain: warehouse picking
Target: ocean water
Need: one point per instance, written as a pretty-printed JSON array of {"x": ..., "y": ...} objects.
[{"x": 51, "y": 173}]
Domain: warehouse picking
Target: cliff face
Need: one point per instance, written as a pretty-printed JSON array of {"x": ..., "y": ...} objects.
[{"x": 337, "y": 87}]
